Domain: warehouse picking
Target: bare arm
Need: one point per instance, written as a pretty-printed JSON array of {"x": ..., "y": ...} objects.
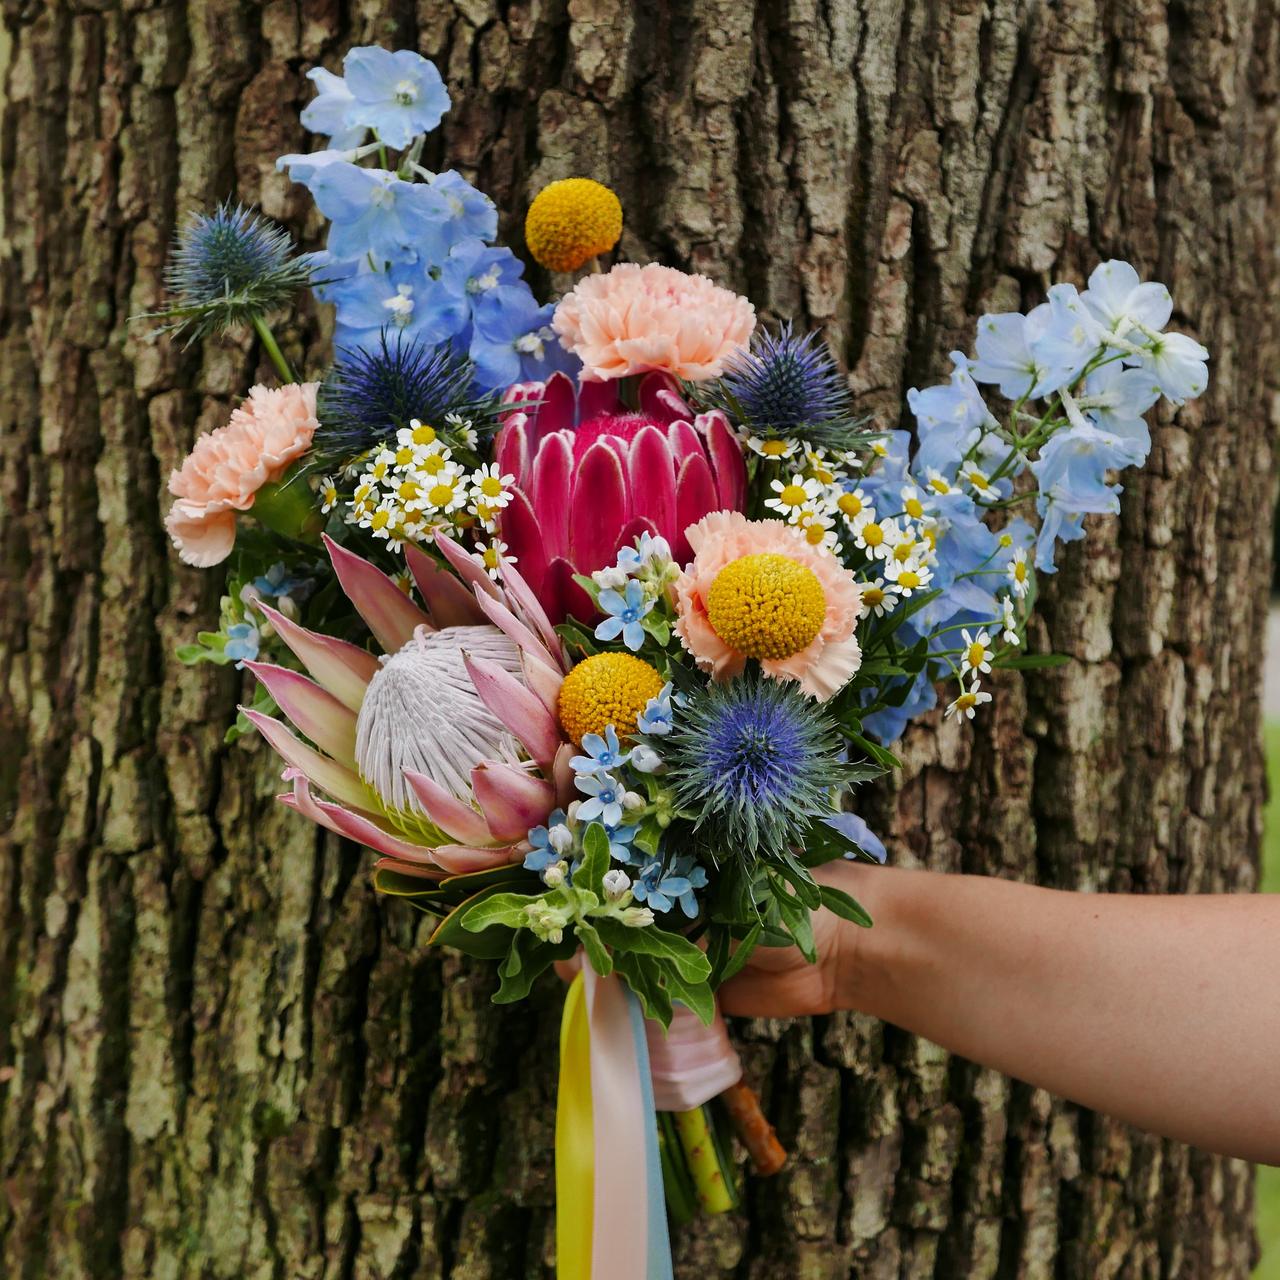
[{"x": 1162, "y": 1011}]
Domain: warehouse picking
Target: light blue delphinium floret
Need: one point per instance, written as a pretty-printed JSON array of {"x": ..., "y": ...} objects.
[
  {"x": 326, "y": 113},
  {"x": 372, "y": 211},
  {"x": 398, "y": 95},
  {"x": 625, "y": 610},
  {"x": 603, "y": 753},
  {"x": 404, "y": 303},
  {"x": 512, "y": 339},
  {"x": 1067, "y": 341}
]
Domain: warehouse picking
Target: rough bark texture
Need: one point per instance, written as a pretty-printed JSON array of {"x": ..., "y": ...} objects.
[{"x": 220, "y": 1055}]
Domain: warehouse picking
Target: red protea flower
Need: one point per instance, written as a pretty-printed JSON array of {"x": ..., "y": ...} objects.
[{"x": 592, "y": 475}]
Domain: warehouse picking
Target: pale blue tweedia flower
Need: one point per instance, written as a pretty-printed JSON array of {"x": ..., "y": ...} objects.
[
  {"x": 625, "y": 611},
  {"x": 603, "y": 753},
  {"x": 656, "y": 718},
  {"x": 604, "y": 799}
]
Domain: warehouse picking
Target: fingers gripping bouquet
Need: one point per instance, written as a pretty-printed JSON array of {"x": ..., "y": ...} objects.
[{"x": 590, "y": 616}]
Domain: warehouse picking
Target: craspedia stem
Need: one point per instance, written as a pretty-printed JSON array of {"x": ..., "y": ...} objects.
[{"x": 272, "y": 348}]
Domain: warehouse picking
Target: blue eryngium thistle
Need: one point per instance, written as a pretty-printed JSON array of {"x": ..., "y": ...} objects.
[
  {"x": 370, "y": 394},
  {"x": 789, "y": 386},
  {"x": 229, "y": 268},
  {"x": 757, "y": 760}
]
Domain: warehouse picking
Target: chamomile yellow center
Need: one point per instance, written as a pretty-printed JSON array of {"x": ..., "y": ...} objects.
[
  {"x": 491, "y": 487},
  {"x": 775, "y": 448},
  {"x": 977, "y": 654},
  {"x": 766, "y": 606},
  {"x": 423, "y": 434},
  {"x": 850, "y": 504},
  {"x": 872, "y": 596},
  {"x": 872, "y": 534},
  {"x": 440, "y": 495},
  {"x": 965, "y": 701},
  {"x": 1020, "y": 571},
  {"x": 434, "y": 464},
  {"x": 793, "y": 495},
  {"x": 909, "y": 579},
  {"x": 606, "y": 689},
  {"x": 914, "y": 508},
  {"x": 570, "y": 222}
]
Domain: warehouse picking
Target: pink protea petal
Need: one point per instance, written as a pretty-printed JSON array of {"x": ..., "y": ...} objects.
[
  {"x": 470, "y": 570},
  {"x": 660, "y": 397},
  {"x": 390, "y": 614},
  {"x": 544, "y": 682},
  {"x": 695, "y": 496},
  {"x": 595, "y": 398},
  {"x": 343, "y": 822},
  {"x": 512, "y": 450},
  {"x": 341, "y": 783},
  {"x": 653, "y": 480},
  {"x": 727, "y": 460},
  {"x": 461, "y": 860},
  {"x": 413, "y": 869},
  {"x": 336, "y": 665},
  {"x": 506, "y": 621},
  {"x": 557, "y": 406},
  {"x": 521, "y": 710},
  {"x": 454, "y": 817},
  {"x": 522, "y": 533},
  {"x": 562, "y": 776},
  {"x": 448, "y": 602},
  {"x": 521, "y": 595},
  {"x": 563, "y": 596},
  {"x": 511, "y": 799},
  {"x": 550, "y": 488},
  {"x": 313, "y": 710},
  {"x": 685, "y": 442},
  {"x": 599, "y": 498}
]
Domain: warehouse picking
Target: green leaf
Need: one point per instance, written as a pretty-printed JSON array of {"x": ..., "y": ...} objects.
[
  {"x": 1032, "y": 661},
  {"x": 797, "y": 875},
  {"x": 741, "y": 954},
  {"x": 398, "y": 885},
  {"x": 847, "y": 908},
  {"x": 878, "y": 753},
  {"x": 484, "y": 946},
  {"x": 596, "y": 951},
  {"x": 506, "y": 909},
  {"x": 696, "y": 996},
  {"x": 795, "y": 916},
  {"x": 527, "y": 960},
  {"x": 192, "y": 654},
  {"x": 643, "y": 976},
  {"x": 652, "y": 941},
  {"x": 595, "y": 860}
]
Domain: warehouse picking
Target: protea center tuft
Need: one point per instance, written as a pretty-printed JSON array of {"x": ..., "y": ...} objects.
[
  {"x": 443, "y": 753},
  {"x": 592, "y": 475}
]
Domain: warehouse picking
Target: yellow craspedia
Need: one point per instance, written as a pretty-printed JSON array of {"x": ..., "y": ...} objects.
[
  {"x": 570, "y": 222},
  {"x": 766, "y": 606},
  {"x": 606, "y": 689}
]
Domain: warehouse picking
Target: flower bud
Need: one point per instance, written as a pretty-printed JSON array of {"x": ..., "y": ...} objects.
[
  {"x": 554, "y": 875},
  {"x": 616, "y": 883},
  {"x": 560, "y": 838},
  {"x": 646, "y": 759},
  {"x": 609, "y": 579},
  {"x": 633, "y": 800}
]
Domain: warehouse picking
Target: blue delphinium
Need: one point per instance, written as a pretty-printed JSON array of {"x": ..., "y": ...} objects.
[
  {"x": 625, "y": 610},
  {"x": 757, "y": 759},
  {"x": 788, "y": 385},
  {"x": 228, "y": 268},
  {"x": 398, "y": 95},
  {"x": 661, "y": 887}
]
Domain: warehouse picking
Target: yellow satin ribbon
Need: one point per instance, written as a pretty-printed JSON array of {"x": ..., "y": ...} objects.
[{"x": 575, "y": 1141}]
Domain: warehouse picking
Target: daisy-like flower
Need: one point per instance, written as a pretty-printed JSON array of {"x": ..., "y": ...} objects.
[
  {"x": 819, "y": 467},
  {"x": 379, "y": 519},
  {"x": 793, "y": 494},
  {"x": 939, "y": 483},
  {"x": 771, "y": 448},
  {"x": 850, "y": 503},
  {"x": 977, "y": 479},
  {"x": 1009, "y": 621},
  {"x": 869, "y": 534},
  {"x": 382, "y": 463},
  {"x": 328, "y": 495},
  {"x": 909, "y": 542},
  {"x": 975, "y": 656},
  {"x": 437, "y": 459},
  {"x": 912, "y": 502},
  {"x": 968, "y": 701},
  {"x": 907, "y": 578},
  {"x": 1019, "y": 574},
  {"x": 818, "y": 531},
  {"x": 490, "y": 486},
  {"x": 462, "y": 430},
  {"x": 446, "y": 491},
  {"x": 877, "y": 600},
  {"x": 417, "y": 434},
  {"x": 493, "y": 556}
]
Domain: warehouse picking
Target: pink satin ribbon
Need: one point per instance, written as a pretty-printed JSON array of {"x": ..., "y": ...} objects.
[
  {"x": 620, "y": 1240},
  {"x": 690, "y": 1064}
]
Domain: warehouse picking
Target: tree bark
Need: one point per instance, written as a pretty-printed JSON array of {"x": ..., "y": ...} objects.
[{"x": 220, "y": 1054}]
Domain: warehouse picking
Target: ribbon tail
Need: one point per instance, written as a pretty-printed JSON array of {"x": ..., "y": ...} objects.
[{"x": 575, "y": 1156}]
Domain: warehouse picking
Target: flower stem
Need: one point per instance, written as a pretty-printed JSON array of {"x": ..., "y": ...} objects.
[{"x": 272, "y": 347}]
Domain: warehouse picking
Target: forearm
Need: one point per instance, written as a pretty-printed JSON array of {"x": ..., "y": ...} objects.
[{"x": 1162, "y": 1011}]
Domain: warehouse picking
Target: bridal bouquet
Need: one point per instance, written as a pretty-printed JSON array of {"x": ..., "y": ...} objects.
[{"x": 590, "y": 616}]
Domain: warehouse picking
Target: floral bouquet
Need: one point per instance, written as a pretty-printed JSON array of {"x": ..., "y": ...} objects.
[{"x": 590, "y": 616}]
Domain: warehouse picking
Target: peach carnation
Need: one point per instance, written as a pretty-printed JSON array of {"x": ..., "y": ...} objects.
[
  {"x": 226, "y": 468},
  {"x": 637, "y": 319},
  {"x": 757, "y": 589}
]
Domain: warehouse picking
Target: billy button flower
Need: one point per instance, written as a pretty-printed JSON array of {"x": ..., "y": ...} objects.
[
  {"x": 606, "y": 689},
  {"x": 572, "y": 221}
]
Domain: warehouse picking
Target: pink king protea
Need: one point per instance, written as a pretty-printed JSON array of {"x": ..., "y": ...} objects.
[{"x": 592, "y": 476}]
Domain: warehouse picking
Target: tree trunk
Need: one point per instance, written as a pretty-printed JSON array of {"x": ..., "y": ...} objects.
[{"x": 220, "y": 1054}]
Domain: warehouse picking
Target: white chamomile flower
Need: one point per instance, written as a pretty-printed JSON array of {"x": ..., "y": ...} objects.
[
  {"x": 462, "y": 430},
  {"x": 849, "y": 458},
  {"x": 938, "y": 483},
  {"x": 910, "y": 542},
  {"x": 797, "y": 492},
  {"x": 494, "y": 557},
  {"x": 436, "y": 459},
  {"x": 912, "y": 502},
  {"x": 362, "y": 500},
  {"x": 869, "y": 534},
  {"x": 906, "y": 579},
  {"x": 876, "y": 600},
  {"x": 968, "y": 701},
  {"x": 818, "y": 533},
  {"x": 1019, "y": 573},
  {"x": 850, "y": 503},
  {"x": 772, "y": 448},
  {"x": 819, "y": 467},
  {"x": 445, "y": 491},
  {"x": 417, "y": 434},
  {"x": 380, "y": 467},
  {"x": 977, "y": 479},
  {"x": 403, "y": 580},
  {"x": 486, "y": 513},
  {"x": 379, "y": 520},
  {"x": 1009, "y": 621},
  {"x": 328, "y": 495},
  {"x": 879, "y": 448},
  {"x": 489, "y": 486},
  {"x": 975, "y": 654}
]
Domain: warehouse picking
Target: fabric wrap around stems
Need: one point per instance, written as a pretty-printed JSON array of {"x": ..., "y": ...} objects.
[{"x": 690, "y": 1063}]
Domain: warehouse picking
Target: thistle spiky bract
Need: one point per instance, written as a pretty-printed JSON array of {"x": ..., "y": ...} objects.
[
  {"x": 757, "y": 759},
  {"x": 370, "y": 394},
  {"x": 789, "y": 386},
  {"x": 230, "y": 268}
]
